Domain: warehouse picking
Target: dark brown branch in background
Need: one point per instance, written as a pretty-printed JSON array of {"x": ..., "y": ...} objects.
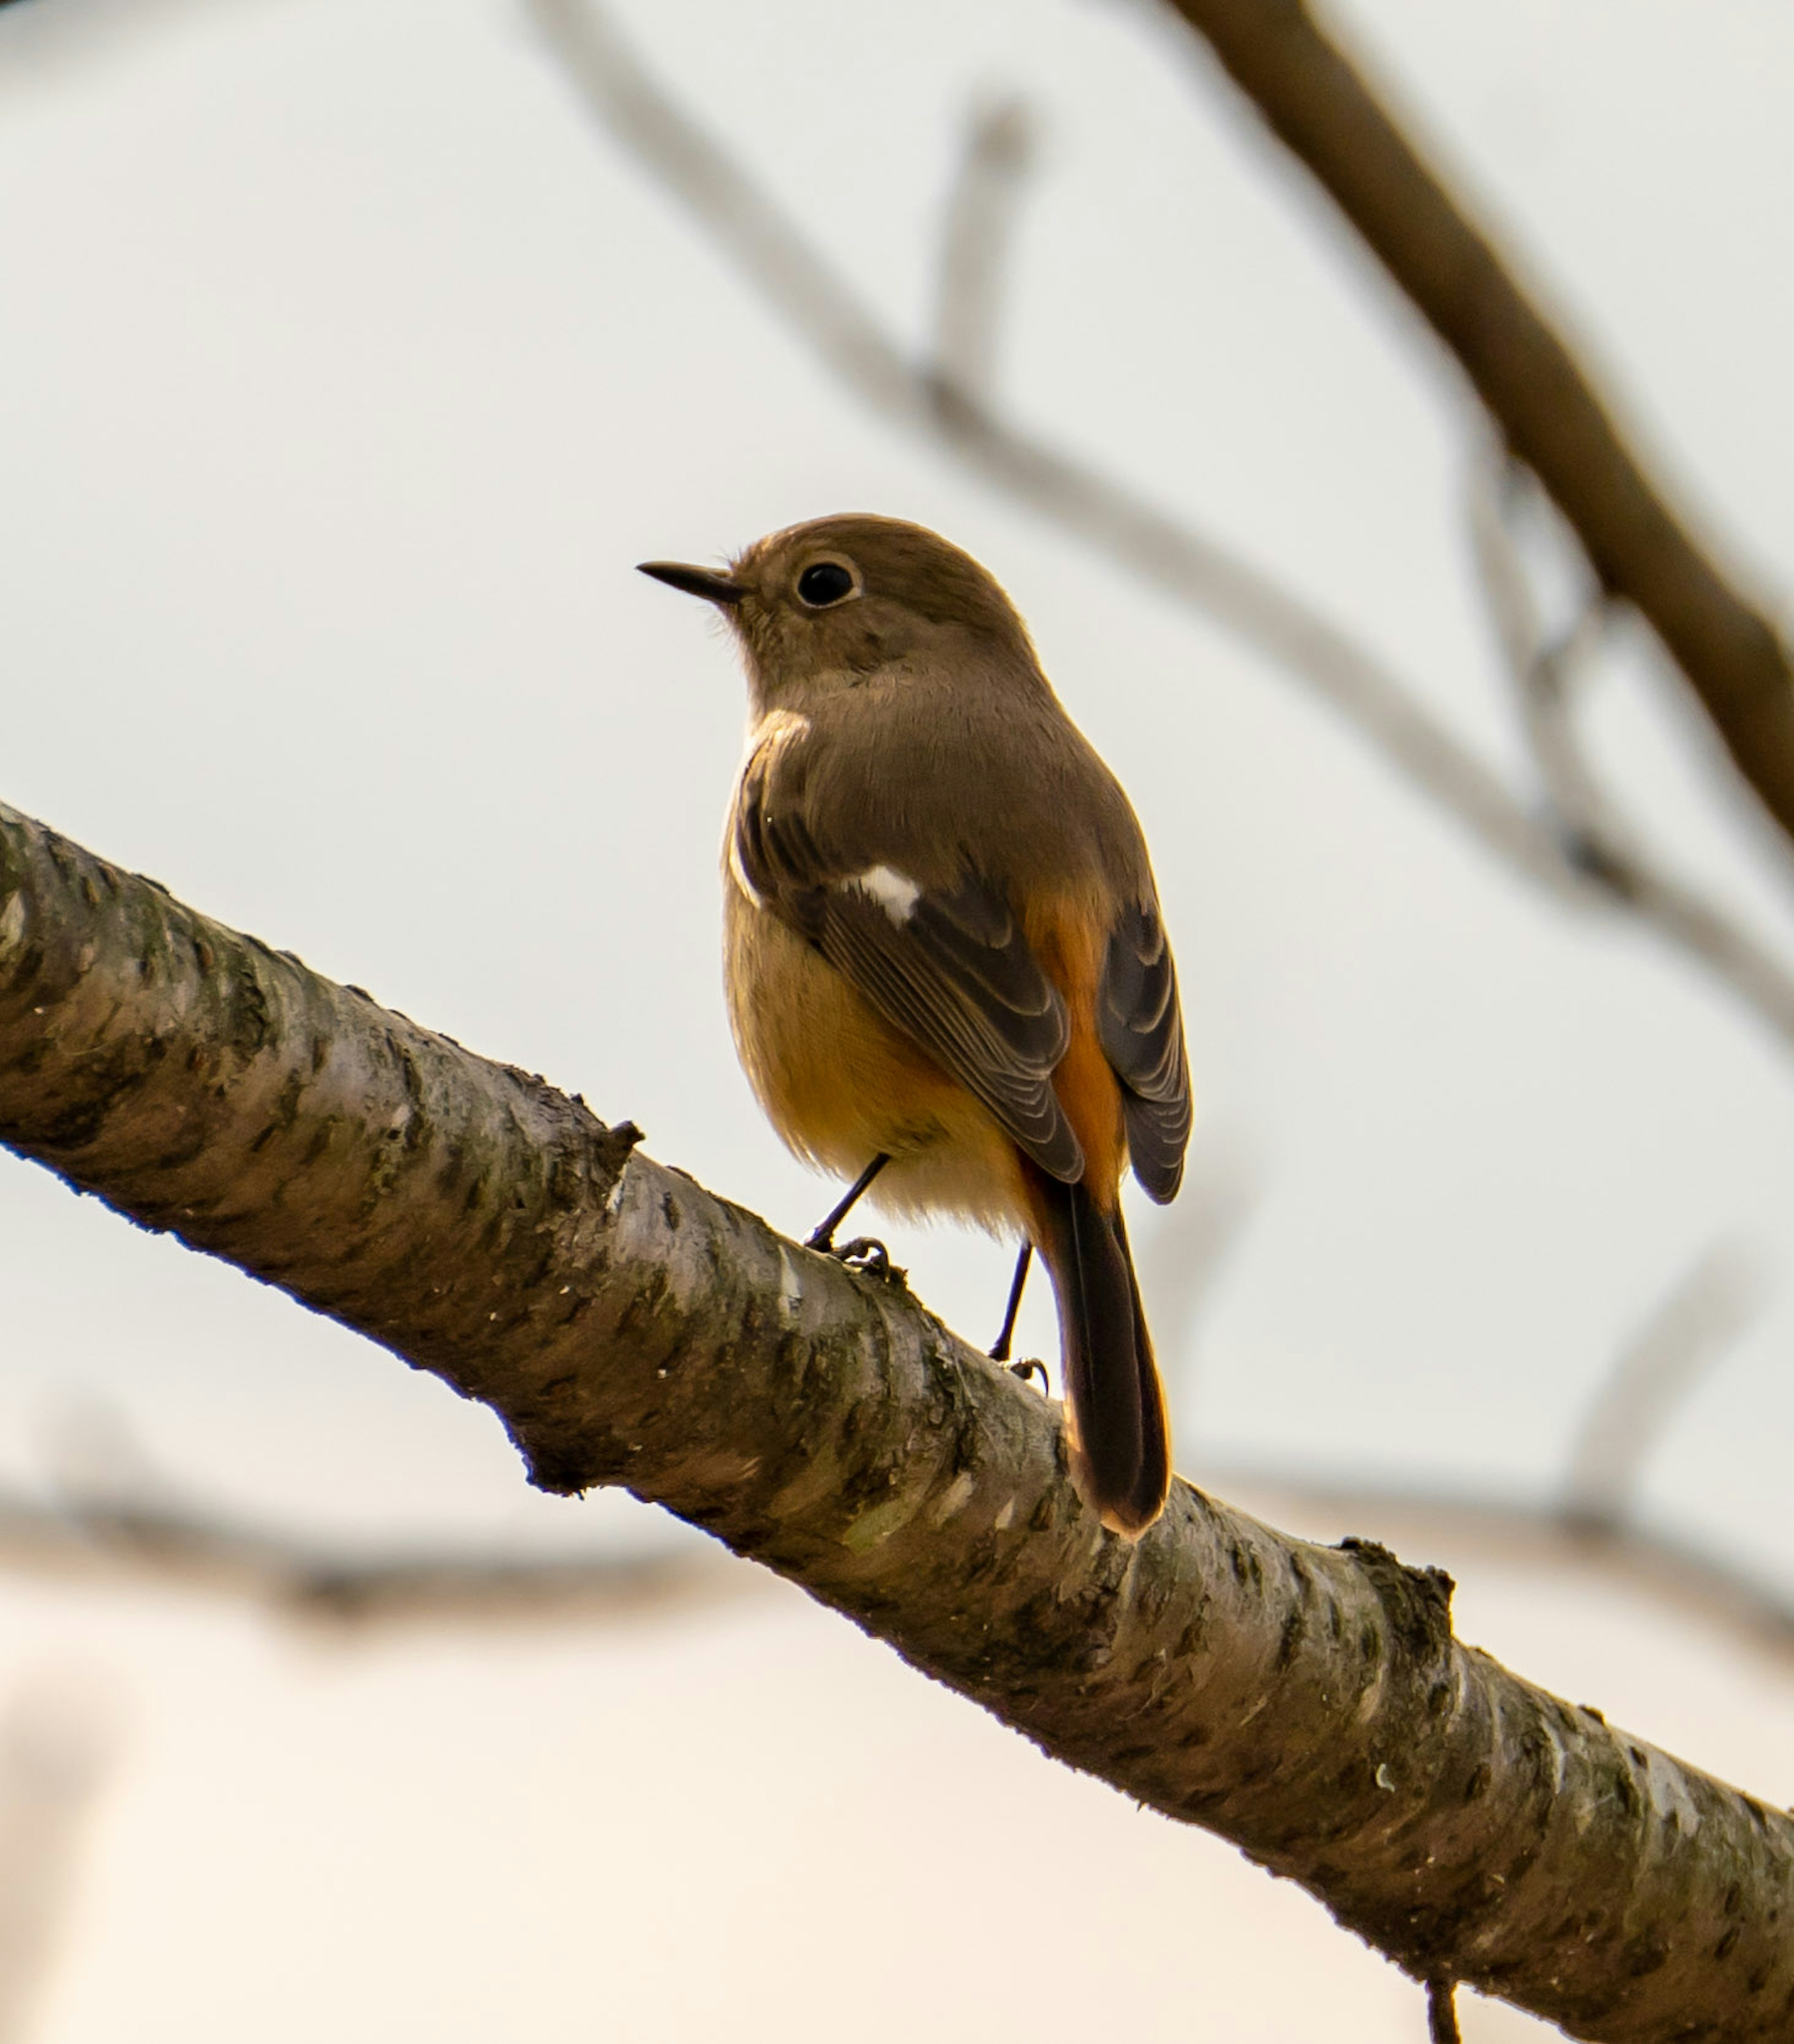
[
  {"x": 1309, "y": 1703},
  {"x": 1543, "y": 401},
  {"x": 799, "y": 283}
]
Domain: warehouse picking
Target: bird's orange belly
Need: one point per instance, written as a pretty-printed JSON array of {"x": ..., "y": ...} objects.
[{"x": 842, "y": 1086}]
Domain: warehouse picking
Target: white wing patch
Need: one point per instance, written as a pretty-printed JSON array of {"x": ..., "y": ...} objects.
[{"x": 894, "y": 892}]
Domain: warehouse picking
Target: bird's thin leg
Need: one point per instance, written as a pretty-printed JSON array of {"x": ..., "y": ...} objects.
[
  {"x": 1000, "y": 1348},
  {"x": 823, "y": 1236}
]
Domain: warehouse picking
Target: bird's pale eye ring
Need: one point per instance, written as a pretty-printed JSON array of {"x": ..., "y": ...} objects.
[{"x": 825, "y": 583}]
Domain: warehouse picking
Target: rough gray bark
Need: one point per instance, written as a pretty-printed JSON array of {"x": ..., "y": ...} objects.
[{"x": 1309, "y": 1703}]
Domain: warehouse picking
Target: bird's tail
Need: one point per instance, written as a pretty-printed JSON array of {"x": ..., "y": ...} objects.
[{"x": 1120, "y": 1443}]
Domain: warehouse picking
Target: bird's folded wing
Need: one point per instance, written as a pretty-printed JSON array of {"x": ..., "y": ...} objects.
[
  {"x": 1142, "y": 1033},
  {"x": 950, "y": 968}
]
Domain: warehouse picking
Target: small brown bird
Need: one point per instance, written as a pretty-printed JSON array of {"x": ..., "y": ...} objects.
[{"x": 946, "y": 966}]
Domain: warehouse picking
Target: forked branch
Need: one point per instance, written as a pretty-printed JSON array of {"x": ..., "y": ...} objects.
[{"x": 1541, "y": 398}]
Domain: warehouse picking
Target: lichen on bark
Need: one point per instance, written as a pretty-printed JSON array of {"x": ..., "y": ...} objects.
[{"x": 1309, "y": 1703}]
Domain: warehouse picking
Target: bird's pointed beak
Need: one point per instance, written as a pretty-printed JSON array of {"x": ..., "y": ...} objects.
[{"x": 706, "y": 582}]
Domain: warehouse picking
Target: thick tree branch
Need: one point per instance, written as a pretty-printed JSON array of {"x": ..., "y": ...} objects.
[
  {"x": 1309, "y": 1703},
  {"x": 1540, "y": 397},
  {"x": 212, "y": 1551}
]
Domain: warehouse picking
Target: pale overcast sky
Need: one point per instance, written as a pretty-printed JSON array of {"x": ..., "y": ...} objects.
[
  {"x": 348, "y": 371},
  {"x": 345, "y": 371}
]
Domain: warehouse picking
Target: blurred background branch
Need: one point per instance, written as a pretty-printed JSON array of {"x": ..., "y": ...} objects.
[
  {"x": 57, "y": 1739},
  {"x": 192, "y": 1548},
  {"x": 797, "y": 281},
  {"x": 1545, "y": 402},
  {"x": 983, "y": 209},
  {"x": 946, "y": 398},
  {"x": 116, "y": 1516},
  {"x": 1679, "y": 1343},
  {"x": 1550, "y": 669}
]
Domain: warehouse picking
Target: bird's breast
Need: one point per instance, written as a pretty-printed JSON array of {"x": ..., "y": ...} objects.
[{"x": 842, "y": 1086}]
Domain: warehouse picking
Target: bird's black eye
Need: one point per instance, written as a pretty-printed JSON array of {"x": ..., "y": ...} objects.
[{"x": 824, "y": 583}]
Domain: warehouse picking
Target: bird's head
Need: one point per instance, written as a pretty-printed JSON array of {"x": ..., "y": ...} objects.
[{"x": 826, "y": 606}]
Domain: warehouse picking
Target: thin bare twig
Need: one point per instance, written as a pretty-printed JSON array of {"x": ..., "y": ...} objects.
[
  {"x": 1544, "y": 669},
  {"x": 213, "y": 1552},
  {"x": 1698, "y": 1321},
  {"x": 799, "y": 283},
  {"x": 976, "y": 238},
  {"x": 1546, "y": 666}
]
